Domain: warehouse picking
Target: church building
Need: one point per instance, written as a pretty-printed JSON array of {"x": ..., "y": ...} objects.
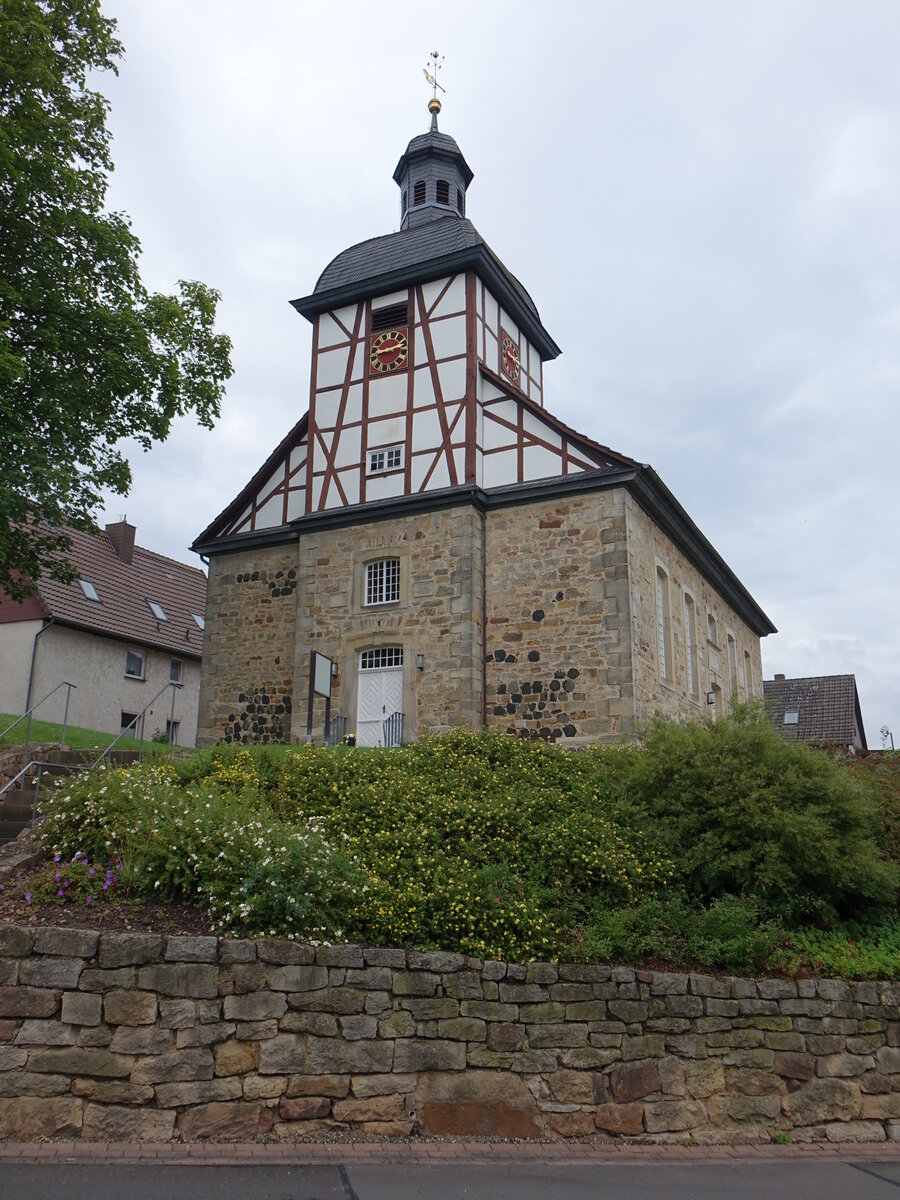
[{"x": 460, "y": 555}]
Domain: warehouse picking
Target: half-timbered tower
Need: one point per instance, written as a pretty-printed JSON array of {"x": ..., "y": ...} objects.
[{"x": 461, "y": 555}]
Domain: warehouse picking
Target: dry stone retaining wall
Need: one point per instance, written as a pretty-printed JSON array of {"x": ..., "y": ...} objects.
[{"x": 140, "y": 1037}]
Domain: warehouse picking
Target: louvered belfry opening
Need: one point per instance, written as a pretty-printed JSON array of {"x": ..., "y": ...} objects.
[
  {"x": 394, "y": 316},
  {"x": 443, "y": 191},
  {"x": 419, "y": 192}
]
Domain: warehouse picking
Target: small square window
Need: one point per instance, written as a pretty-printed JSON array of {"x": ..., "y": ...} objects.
[
  {"x": 128, "y": 723},
  {"x": 174, "y": 671},
  {"x": 383, "y": 581},
  {"x": 134, "y": 664},
  {"x": 89, "y": 590},
  {"x": 199, "y": 620},
  {"x": 157, "y": 609},
  {"x": 791, "y": 718},
  {"x": 389, "y": 459}
]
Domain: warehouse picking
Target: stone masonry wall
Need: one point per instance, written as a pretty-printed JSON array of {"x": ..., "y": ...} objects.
[
  {"x": 139, "y": 1037},
  {"x": 247, "y": 689},
  {"x": 558, "y": 645}
]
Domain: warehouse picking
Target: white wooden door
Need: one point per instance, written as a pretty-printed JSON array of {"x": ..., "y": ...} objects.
[{"x": 380, "y": 692}]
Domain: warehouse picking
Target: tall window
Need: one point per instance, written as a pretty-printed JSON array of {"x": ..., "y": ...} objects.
[
  {"x": 690, "y": 646},
  {"x": 383, "y": 581},
  {"x": 134, "y": 664},
  {"x": 443, "y": 191},
  {"x": 419, "y": 192},
  {"x": 748, "y": 673},
  {"x": 663, "y": 625},
  {"x": 732, "y": 665}
]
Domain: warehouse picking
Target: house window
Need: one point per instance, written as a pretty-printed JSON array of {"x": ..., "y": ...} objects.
[
  {"x": 89, "y": 590},
  {"x": 712, "y": 631},
  {"x": 748, "y": 673},
  {"x": 663, "y": 625},
  {"x": 134, "y": 664},
  {"x": 791, "y": 718},
  {"x": 128, "y": 723},
  {"x": 389, "y": 459},
  {"x": 732, "y": 665},
  {"x": 383, "y": 581},
  {"x": 384, "y": 656},
  {"x": 199, "y": 620},
  {"x": 714, "y": 700},
  {"x": 174, "y": 671},
  {"x": 172, "y": 731},
  {"x": 443, "y": 191},
  {"x": 157, "y": 609},
  {"x": 690, "y": 646},
  {"x": 419, "y": 192}
]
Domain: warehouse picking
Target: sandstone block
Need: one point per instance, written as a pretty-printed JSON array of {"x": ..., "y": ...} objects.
[
  {"x": 437, "y": 1009},
  {"x": 571, "y": 1087},
  {"x": 743, "y": 1110},
  {"x": 142, "y": 1039},
  {"x": 571, "y": 993},
  {"x": 70, "y": 943},
  {"x": 236, "y": 950},
  {"x": 322, "y": 1024},
  {"x": 129, "y": 1008},
  {"x": 708, "y": 985},
  {"x": 534, "y": 1062},
  {"x": 15, "y": 942},
  {"x": 192, "y": 949},
  {"x": 463, "y": 1029},
  {"x": 464, "y": 985},
  {"x": 50, "y": 972},
  {"x": 855, "y": 1131},
  {"x": 355, "y": 1027},
  {"x": 523, "y": 993},
  {"x": 661, "y": 1116},
  {"x": 209, "y": 1035},
  {"x": 671, "y": 1076},
  {"x": 177, "y": 1014},
  {"x": 650, "y": 1045},
  {"x": 298, "y": 978},
  {"x": 237, "y": 1120},
  {"x": 434, "y": 960},
  {"x": 415, "y": 983},
  {"x": 493, "y": 970},
  {"x": 35, "y": 1032},
  {"x": 377, "y": 956},
  {"x": 396, "y": 1024},
  {"x": 93, "y": 980},
  {"x": 888, "y": 1059},
  {"x": 237, "y": 978},
  {"x": 541, "y": 972},
  {"x": 256, "y": 1031},
  {"x": 255, "y": 1006},
  {"x": 18, "y": 1083},
  {"x": 844, "y": 1064},
  {"x": 881, "y": 1107},
  {"x": 794, "y": 1066},
  {"x": 74, "y": 1060},
  {"x": 479, "y": 1056},
  {"x": 505, "y": 1036},
  {"x": 112, "y": 1091},
  {"x": 476, "y": 1103},
  {"x": 572, "y": 1124},
  {"x": 281, "y": 953},
  {"x": 339, "y": 1000},
  {"x": 634, "y": 1080},
  {"x": 174, "y": 1067},
  {"x": 486, "y": 1010},
  {"x": 178, "y": 1095},
  {"x": 376, "y": 1003},
  {"x": 382, "y": 1085},
  {"x": 704, "y": 1077},
  {"x": 81, "y": 1008},
  {"x": 372, "y": 1108},
  {"x": 820, "y": 1100},
  {"x": 304, "y": 1108},
  {"x": 336, "y": 1086},
  {"x": 129, "y": 949},
  {"x": 412, "y": 1055},
  {"x": 625, "y": 1120},
  {"x": 373, "y": 978},
  {"x": 264, "y": 1087},
  {"x": 31, "y": 1118},
  {"x": 114, "y": 1123},
  {"x": 12, "y": 1058},
  {"x": 199, "y": 980},
  {"x": 630, "y": 1011},
  {"x": 234, "y": 1058}
]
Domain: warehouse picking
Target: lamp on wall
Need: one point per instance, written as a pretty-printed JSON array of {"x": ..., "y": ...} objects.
[
  {"x": 710, "y": 697},
  {"x": 334, "y": 670},
  {"x": 420, "y": 662}
]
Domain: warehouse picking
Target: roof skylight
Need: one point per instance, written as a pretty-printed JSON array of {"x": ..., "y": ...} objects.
[
  {"x": 89, "y": 590},
  {"x": 157, "y": 609},
  {"x": 198, "y": 617}
]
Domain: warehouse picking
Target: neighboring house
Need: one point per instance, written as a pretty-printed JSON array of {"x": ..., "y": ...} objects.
[
  {"x": 131, "y": 622},
  {"x": 821, "y": 708},
  {"x": 461, "y": 555}
]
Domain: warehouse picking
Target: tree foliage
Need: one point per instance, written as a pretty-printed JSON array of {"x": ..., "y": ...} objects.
[{"x": 87, "y": 355}]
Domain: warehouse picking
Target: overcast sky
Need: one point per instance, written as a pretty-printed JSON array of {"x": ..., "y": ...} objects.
[{"x": 703, "y": 200}]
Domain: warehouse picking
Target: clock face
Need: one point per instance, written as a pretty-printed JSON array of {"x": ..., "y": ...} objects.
[
  {"x": 509, "y": 357},
  {"x": 388, "y": 351}
]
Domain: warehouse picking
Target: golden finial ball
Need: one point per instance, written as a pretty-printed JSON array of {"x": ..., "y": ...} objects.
[{"x": 434, "y": 106}]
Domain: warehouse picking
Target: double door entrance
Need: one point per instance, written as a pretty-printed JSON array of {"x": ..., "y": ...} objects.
[{"x": 380, "y": 692}]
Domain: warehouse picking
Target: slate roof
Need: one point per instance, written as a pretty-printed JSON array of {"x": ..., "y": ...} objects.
[
  {"x": 124, "y": 588},
  {"x": 433, "y": 142},
  {"x": 827, "y": 708}
]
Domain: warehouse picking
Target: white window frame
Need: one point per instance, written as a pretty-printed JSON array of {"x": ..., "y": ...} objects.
[
  {"x": 90, "y": 591},
  {"x": 380, "y": 658},
  {"x": 385, "y": 459},
  {"x": 382, "y": 582},
  {"x": 142, "y": 658},
  {"x": 664, "y": 626},
  {"x": 176, "y": 670},
  {"x": 157, "y": 609}
]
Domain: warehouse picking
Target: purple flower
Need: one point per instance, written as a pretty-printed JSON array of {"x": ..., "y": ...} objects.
[
  {"x": 57, "y": 858},
  {"x": 28, "y": 897},
  {"x": 89, "y": 900},
  {"x": 60, "y": 892},
  {"x": 57, "y": 877},
  {"x": 91, "y": 871}
]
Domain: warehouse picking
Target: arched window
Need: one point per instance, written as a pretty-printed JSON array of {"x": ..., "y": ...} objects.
[
  {"x": 690, "y": 647},
  {"x": 663, "y": 625},
  {"x": 460, "y": 206}
]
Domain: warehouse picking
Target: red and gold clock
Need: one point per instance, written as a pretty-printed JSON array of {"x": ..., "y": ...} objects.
[
  {"x": 509, "y": 357},
  {"x": 388, "y": 351}
]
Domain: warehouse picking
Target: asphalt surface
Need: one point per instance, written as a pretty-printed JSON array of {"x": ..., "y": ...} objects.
[{"x": 790, "y": 1180}]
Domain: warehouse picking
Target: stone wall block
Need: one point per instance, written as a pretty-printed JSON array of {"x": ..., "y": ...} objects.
[
  {"x": 69, "y": 943},
  {"x": 74, "y": 1060},
  {"x": 197, "y": 980},
  {"x": 94, "y": 980},
  {"x": 81, "y": 1008},
  {"x": 192, "y": 949},
  {"x": 236, "y": 950},
  {"x": 339, "y": 1000},
  {"x": 237, "y": 1120},
  {"x": 51, "y": 972},
  {"x": 634, "y": 1080},
  {"x": 464, "y": 985},
  {"x": 438, "y": 1055},
  {"x": 844, "y": 1065},
  {"x": 624, "y": 1120},
  {"x": 174, "y": 1067},
  {"x": 36, "y": 1032},
  {"x": 283, "y": 954},
  {"x": 115, "y": 1123},
  {"x": 667, "y": 1116},
  {"x": 128, "y": 949},
  {"x": 122, "y": 1007},
  {"x": 415, "y": 983},
  {"x": 888, "y": 1059},
  {"x": 823, "y": 1100},
  {"x": 298, "y": 978},
  {"x": 255, "y": 1006},
  {"x": 142, "y": 1039},
  {"x": 31, "y": 1118},
  {"x": 15, "y": 942},
  {"x": 112, "y": 1091},
  {"x": 12, "y": 1058},
  {"x": 186, "y": 1093}
]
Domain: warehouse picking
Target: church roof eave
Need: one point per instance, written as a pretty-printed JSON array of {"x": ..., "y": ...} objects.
[{"x": 479, "y": 257}]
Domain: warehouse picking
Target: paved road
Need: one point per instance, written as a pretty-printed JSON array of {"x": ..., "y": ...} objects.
[{"x": 460, "y": 1180}]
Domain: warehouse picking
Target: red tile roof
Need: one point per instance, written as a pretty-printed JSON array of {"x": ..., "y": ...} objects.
[{"x": 124, "y": 589}]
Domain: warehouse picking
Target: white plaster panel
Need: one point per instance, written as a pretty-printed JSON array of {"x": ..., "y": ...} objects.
[
  {"x": 388, "y": 432},
  {"x": 539, "y": 463},
  {"x": 240, "y": 520},
  {"x": 298, "y": 455},
  {"x": 390, "y": 299},
  {"x": 455, "y": 299},
  {"x": 359, "y": 362},
  {"x": 490, "y": 311},
  {"x": 500, "y": 468},
  {"x": 495, "y": 435},
  {"x": 489, "y": 391},
  {"x": 479, "y": 467},
  {"x": 349, "y": 447},
  {"x": 426, "y": 430},
  {"x": 423, "y": 388},
  {"x": 353, "y": 407},
  {"x": 459, "y": 458},
  {"x": 418, "y": 469},
  {"x": 350, "y": 484},
  {"x": 297, "y": 500},
  {"x": 276, "y": 478},
  {"x": 420, "y": 353},
  {"x": 327, "y": 405},
  {"x": 452, "y": 376},
  {"x": 316, "y": 491},
  {"x": 441, "y": 476},
  {"x": 449, "y": 336},
  {"x": 387, "y": 395},
  {"x": 536, "y": 426},
  {"x": 347, "y": 316},
  {"x": 491, "y": 352},
  {"x": 431, "y": 291},
  {"x": 331, "y": 367},
  {"x": 330, "y": 333},
  {"x": 509, "y": 325},
  {"x": 380, "y": 487},
  {"x": 270, "y": 514}
]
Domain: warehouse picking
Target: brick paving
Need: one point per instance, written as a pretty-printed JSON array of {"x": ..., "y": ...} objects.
[{"x": 426, "y": 1153}]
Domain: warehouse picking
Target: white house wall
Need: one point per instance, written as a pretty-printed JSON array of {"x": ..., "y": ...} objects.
[{"x": 16, "y": 642}]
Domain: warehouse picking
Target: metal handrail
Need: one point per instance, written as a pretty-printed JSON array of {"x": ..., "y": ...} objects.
[
  {"x": 140, "y": 717},
  {"x": 392, "y": 730},
  {"x": 18, "y": 720},
  {"x": 335, "y": 730}
]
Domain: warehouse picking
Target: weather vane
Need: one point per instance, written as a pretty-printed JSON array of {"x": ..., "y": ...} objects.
[{"x": 437, "y": 61}]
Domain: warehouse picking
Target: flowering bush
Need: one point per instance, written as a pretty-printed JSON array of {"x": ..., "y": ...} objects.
[{"x": 78, "y": 881}]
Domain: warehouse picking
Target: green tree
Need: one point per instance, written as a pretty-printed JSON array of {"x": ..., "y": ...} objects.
[{"x": 87, "y": 355}]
